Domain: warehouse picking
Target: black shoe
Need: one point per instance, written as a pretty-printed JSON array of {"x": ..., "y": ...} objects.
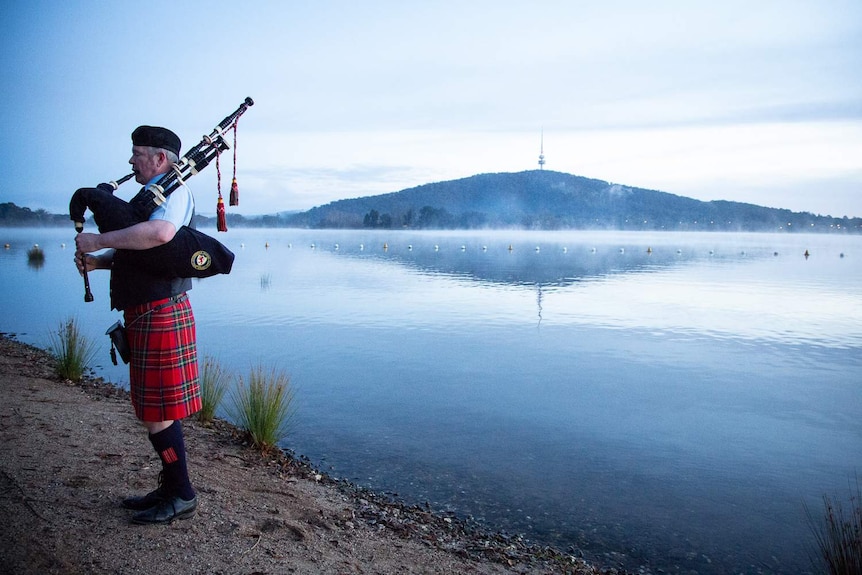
[
  {"x": 166, "y": 510},
  {"x": 143, "y": 503},
  {"x": 151, "y": 499}
]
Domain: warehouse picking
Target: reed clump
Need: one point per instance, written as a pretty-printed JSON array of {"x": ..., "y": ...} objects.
[
  {"x": 838, "y": 535},
  {"x": 72, "y": 350},
  {"x": 214, "y": 384},
  {"x": 263, "y": 407},
  {"x": 35, "y": 257}
]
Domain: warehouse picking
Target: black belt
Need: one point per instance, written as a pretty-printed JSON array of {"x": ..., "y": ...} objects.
[
  {"x": 171, "y": 301},
  {"x": 175, "y": 299}
]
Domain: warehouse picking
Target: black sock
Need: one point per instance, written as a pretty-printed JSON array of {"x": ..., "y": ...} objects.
[{"x": 170, "y": 446}]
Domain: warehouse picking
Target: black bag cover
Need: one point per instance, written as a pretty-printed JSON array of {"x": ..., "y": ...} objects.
[{"x": 190, "y": 254}]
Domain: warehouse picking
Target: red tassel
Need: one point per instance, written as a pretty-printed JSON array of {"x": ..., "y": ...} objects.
[
  {"x": 234, "y": 193},
  {"x": 221, "y": 219}
]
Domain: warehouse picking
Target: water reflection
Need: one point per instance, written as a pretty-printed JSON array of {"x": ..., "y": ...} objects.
[
  {"x": 753, "y": 288},
  {"x": 539, "y": 301},
  {"x": 526, "y": 264},
  {"x": 265, "y": 282}
]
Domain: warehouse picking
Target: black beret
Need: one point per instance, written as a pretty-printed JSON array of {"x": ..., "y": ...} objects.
[{"x": 156, "y": 137}]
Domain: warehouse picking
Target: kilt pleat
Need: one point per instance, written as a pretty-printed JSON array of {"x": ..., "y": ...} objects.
[{"x": 163, "y": 368}]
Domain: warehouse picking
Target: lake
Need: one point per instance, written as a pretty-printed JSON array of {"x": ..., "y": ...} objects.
[{"x": 671, "y": 400}]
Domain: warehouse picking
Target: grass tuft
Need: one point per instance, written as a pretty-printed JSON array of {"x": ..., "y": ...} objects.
[
  {"x": 838, "y": 535},
  {"x": 35, "y": 257},
  {"x": 73, "y": 350},
  {"x": 214, "y": 383},
  {"x": 263, "y": 406}
]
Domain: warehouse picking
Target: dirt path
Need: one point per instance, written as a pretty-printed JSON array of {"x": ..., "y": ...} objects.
[{"x": 69, "y": 453}]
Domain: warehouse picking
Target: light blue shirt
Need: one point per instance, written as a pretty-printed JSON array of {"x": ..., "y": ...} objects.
[{"x": 178, "y": 208}]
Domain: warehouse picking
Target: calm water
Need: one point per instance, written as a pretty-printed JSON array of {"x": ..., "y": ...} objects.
[{"x": 677, "y": 398}]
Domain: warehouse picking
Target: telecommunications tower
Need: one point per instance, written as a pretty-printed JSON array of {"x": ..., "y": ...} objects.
[{"x": 542, "y": 151}]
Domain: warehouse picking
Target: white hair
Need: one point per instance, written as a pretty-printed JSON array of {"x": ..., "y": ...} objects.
[{"x": 171, "y": 156}]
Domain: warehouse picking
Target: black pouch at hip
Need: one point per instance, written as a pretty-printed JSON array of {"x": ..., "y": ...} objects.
[{"x": 119, "y": 343}]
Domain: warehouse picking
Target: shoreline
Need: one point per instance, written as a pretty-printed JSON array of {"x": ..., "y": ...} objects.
[{"x": 277, "y": 506}]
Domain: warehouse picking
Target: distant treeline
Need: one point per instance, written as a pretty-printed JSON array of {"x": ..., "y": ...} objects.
[
  {"x": 531, "y": 200},
  {"x": 14, "y": 216}
]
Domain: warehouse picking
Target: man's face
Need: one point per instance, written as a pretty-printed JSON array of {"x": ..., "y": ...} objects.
[{"x": 146, "y": 165}]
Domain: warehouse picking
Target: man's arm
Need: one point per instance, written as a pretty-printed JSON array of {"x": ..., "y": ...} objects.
[{"x": 140, "y": 236}]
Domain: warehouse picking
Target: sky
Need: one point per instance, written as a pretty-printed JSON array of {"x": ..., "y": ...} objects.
[{"x": 756, "y": 101}]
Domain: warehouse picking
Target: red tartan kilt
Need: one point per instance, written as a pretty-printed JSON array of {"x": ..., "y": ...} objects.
[{"x": 163, "y": 368}]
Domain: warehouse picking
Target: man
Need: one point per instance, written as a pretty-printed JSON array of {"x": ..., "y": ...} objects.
[{"x": 163, "y": 366}]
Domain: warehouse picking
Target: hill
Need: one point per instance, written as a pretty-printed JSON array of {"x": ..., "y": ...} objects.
[
  {"x": 531, "y": 200},
  {"x": 547, "y": 200}
]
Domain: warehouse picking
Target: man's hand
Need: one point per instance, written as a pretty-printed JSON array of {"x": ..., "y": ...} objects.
[
  {"x": 85, "y": 243},
  {"x": 93, "y": 262},
  {"x": 81, "y": 259}
]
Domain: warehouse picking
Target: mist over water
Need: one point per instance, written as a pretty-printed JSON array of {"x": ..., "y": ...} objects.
[{"x": 675, "y": 398}]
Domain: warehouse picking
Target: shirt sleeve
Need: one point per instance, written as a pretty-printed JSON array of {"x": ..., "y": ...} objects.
[{"x": 178, "y": 208}]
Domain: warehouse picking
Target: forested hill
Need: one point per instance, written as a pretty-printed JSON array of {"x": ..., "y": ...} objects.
[
  {"x": 532, "y": 200},
  {"x": 543, "y": 199}
]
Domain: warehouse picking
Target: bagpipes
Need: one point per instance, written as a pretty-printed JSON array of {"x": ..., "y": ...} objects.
[{"x": 190, "y": 253}]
